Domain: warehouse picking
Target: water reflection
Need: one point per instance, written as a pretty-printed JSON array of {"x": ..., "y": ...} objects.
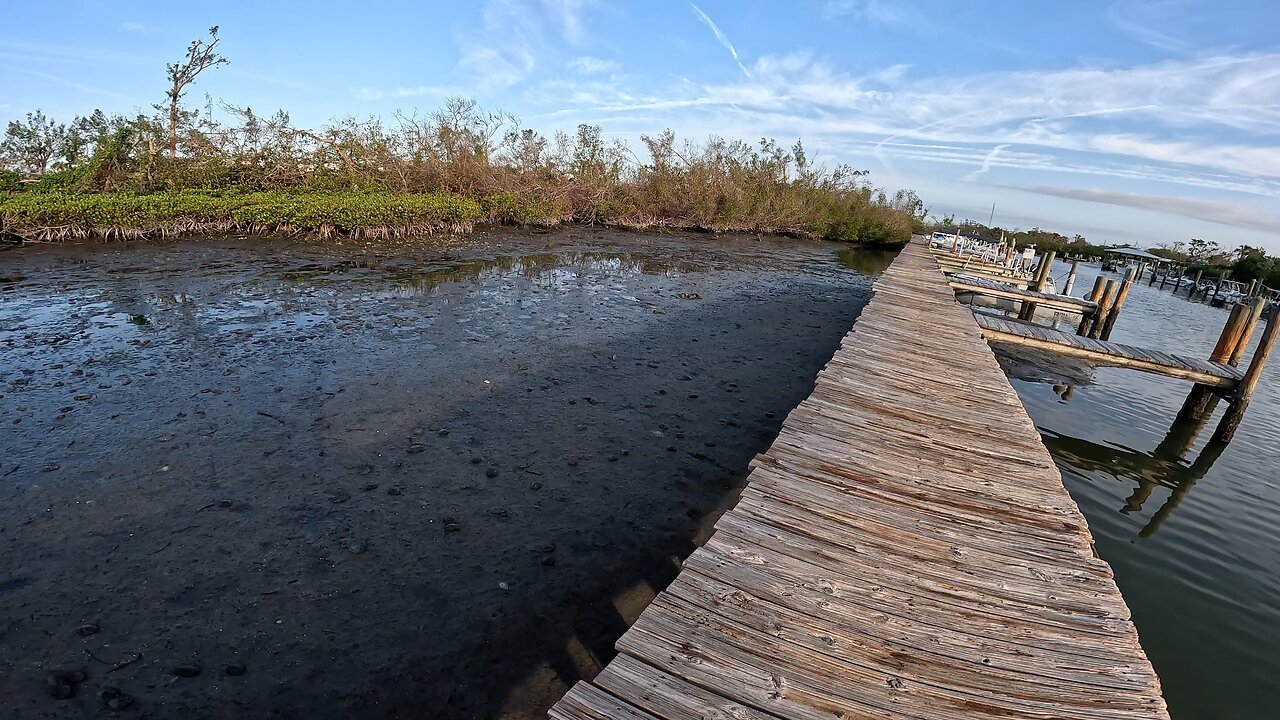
[
  {"x": 1165, "y": 466},
  {"x": 868, "y": 262}
]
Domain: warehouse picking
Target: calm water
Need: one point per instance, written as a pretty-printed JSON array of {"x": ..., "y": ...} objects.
[{"x": 1195, "y": 546}]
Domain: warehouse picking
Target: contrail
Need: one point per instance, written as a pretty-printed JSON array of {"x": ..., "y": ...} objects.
[
  {"x": 986, "y": 163},
  {"x": 724, "y": 40}
]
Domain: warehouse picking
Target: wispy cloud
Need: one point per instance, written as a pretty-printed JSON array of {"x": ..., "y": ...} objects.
[
  {"x": 375, "y": 93},
  {"x": 1223, "y": 213},
  {"x": 721, "y": 38},
  {"x": 880, "y": 12},
  {"x": 1203, "y": 122},
  {"x": 587, "y": 65},
  {"x": 78, "y": 86},
  {"x": 1148, "y": 21},
  {"x": 138, "y": 28}
]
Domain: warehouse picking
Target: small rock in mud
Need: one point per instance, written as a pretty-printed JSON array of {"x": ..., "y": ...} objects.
[
  {"x": 369, "y": 487},
  {"x": 115, "y": 699},
  {"x": 51, "y": 467},
  {"x": 356, "y": 547},
  {"x": 235, "y": 670},
  {"x": 549, "y": 560},
  {"x": 83, "y": 396},
  {"x": 394, "y": 491},
  {"x": 452, "y": 525},
  {"x": 443, "y": 433},
  {"x": 491, "y": 473},
  {"x": 187, "y": 671},
  {"x": 416, "y": 448},
  {"x": 535, "y": 485},
  {"x": 224, "y": 504},
  {"x": 476, "y": 460},
  {"x": 61, "y": 691},
  {"x": 87, "y": 630},
  {"x": 339, "y": 496}
]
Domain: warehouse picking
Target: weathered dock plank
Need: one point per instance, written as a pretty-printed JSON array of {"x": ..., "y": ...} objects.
[
  {"x": 904, "y": 549},
  {"x": 1103, "y": 352}
]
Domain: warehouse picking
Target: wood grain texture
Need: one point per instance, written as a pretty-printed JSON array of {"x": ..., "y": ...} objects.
[
  {"x": 1104, "y": 352},
  {"x": 904, "y": 549}
]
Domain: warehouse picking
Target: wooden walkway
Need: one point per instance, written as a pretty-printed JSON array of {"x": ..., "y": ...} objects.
[
  {"x": 905, "y": 549},
  {"x": 1102, "y": 352},
  {"x": 962, "y": 282}
]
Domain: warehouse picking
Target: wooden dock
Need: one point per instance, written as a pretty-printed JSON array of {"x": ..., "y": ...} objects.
[
  {"x": 1102, "y": 352},
  {"x": 905, "y": 549},
  {"x": 994, "y": 288}
]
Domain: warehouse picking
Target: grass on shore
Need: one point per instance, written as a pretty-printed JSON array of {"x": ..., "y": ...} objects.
[
  {"x": 443, "y": 173},
  {"x": 52, "y": 216}
]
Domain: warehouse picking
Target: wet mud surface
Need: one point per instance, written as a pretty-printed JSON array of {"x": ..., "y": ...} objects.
[{"x": 262, "y": 478}]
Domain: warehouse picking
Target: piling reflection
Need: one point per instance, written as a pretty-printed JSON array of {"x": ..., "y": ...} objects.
[{"x": 1165, "y": 466}]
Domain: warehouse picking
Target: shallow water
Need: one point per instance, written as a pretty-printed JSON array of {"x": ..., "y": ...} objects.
[
  {"x": 393, "y": 480},
  {"x": 1195, "y": 541}
]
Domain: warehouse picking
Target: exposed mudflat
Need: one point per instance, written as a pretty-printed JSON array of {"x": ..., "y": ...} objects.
[{"x": 382, "y": 481}]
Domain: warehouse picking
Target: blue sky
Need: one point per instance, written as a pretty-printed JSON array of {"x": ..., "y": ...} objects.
[{"x": 1141, "y": 121}]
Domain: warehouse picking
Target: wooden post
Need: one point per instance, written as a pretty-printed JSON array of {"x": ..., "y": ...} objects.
[
  {"x": 1071, "y": 277},
  {"x": 1086, "y": 321},
  {"x": 1252, "y": 316},
  {"x": 1177, "y": 282},
  {"x": 1244, "y": 391},
  {"x": 1121, "y": 295},
  {"x": 1164, "y": 279},
  {"x": 1195, "y": 283},
  {"x": 1046, "y": 269},
  {"x": 1231, "y": 332},
  {"x": 1104, "y": 308}
]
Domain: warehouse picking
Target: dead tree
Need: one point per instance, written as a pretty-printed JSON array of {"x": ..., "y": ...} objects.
[{"x": 200, "y": 57}]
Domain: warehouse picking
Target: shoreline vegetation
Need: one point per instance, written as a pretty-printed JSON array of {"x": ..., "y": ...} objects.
[
  {"x": 444, "y": 174},
  {"x": 174, "y": 170}
]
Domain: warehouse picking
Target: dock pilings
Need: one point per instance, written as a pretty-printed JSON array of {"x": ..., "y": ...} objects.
[{"x": 1113, "y": 314}]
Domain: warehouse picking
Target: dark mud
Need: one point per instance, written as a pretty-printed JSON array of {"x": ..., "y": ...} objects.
[{"x": 255, "y": 478}]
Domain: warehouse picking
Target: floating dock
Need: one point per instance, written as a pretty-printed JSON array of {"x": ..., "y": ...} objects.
[
  {"x": 1103, "y": 352},
  {"x": 905, "y": 549}
]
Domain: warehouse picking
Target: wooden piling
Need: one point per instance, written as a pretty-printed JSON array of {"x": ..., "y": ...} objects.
[
  {"x": 1231, "y": 333},
  {"x": 1104, "y": 308},
  {"x": 1195, "y": 283},
  {"x": 1095, "y": 295},
  {"x": 1122, "y": 294},
  {"x": 1045, "y": 270},
  {"x": 1253, "y": 315},
  {"x": 1071, "y": 277},
  {"x": 1244, "y": 391}
]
